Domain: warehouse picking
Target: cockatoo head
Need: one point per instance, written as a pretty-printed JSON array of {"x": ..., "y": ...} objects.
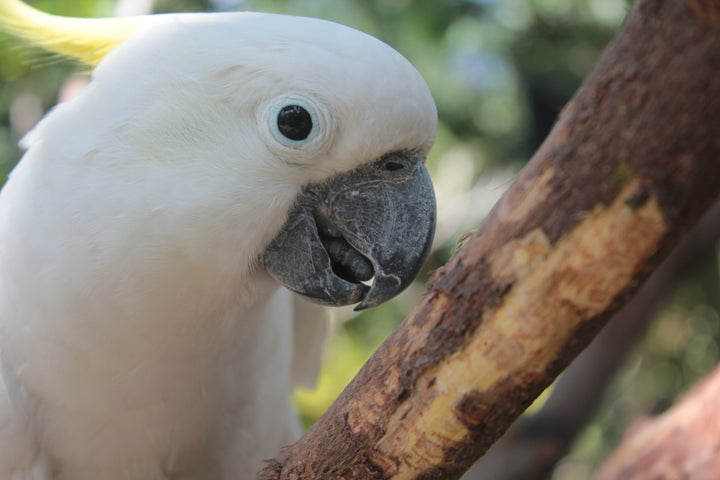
[{"x": 314, "y": 131}]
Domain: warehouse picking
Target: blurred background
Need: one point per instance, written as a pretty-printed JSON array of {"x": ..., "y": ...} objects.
[{"x": 500, "y": 72}]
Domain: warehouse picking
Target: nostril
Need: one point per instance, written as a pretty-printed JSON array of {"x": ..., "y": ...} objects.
[{"x": 391, "y": 166}]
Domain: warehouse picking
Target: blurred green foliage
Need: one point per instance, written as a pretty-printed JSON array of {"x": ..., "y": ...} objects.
[{"x": 500, "y": 71}]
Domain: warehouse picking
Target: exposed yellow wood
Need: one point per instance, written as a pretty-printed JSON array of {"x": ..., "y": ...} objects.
[{"x": 556, "y": 290}]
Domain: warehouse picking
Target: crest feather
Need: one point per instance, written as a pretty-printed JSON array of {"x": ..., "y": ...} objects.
[{"x": 86, "y": 40}]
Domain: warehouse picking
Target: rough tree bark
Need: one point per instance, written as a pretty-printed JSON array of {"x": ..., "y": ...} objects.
[
  {"x": 535, "y": 443},
  {"x": 631, "y": 165}
]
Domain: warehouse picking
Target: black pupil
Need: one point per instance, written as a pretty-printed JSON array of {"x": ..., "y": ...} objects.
[{"x": 294, "y": 122}]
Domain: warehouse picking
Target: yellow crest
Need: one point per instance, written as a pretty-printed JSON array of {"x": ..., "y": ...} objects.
[{"x": 87, "y": 40}]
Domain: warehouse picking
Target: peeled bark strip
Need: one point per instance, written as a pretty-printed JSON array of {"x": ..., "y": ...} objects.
[
  {"x": 535, "y": 443},
  {"x": 631, "y": 165}
]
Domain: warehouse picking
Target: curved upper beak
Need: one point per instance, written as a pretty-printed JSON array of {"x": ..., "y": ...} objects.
[{"x": 375, "y": 222}]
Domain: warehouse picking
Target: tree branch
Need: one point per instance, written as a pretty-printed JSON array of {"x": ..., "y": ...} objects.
[
  {"x": 535, "y": 443},
  {"x": 629, "y": 168},
  {"x": 681, "y": 443}
]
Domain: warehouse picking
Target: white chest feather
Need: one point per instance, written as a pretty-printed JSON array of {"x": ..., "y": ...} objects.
[{"x": 131, "y": 356}]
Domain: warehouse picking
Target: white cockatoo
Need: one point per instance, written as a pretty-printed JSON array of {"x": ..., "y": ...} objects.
[{"x": 146, "y": 233}]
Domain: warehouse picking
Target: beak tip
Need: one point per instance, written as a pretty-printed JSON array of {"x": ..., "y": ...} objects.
[
  {"x": 384, "y": 288},
  {"x": 368, "y": 302},
  {"x": 360, "y": 307}
]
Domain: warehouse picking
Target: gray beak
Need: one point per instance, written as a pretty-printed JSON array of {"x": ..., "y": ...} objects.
[{"x": 375, "y": 222}]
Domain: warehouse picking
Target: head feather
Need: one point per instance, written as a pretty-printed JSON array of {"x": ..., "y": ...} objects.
[{"x": 86, "y": 40}]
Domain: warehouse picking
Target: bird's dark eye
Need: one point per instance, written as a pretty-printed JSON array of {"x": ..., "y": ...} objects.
[{"x": 294, "y": 122}]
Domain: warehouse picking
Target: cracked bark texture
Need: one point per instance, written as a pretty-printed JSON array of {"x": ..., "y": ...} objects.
[{"x": 632, "y": 164}]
